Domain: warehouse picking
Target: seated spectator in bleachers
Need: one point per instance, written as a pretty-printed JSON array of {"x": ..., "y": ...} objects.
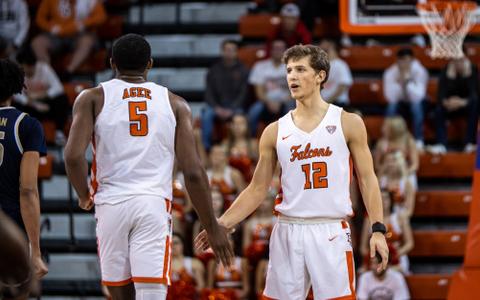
[
  {"x": 335, "y": 90},
  {"x": 388, "y": 284},
  {"x": 14, "y": 24},
  {"x": 399, "y": 235},
  {"x": 269, "y": 78},
  {"x": 393, "y": 177},
  {"x": 406, "y": 82},
  {"x": 228, "y": 180},
  {"x": 457, "y": 97},
  {"x": 291, "y": 29},
  {"x": 257, "y": 230},
  {"x": 396, "y": 137},
  {"x": 241, "y": 148},
  {"x": 234, "y": 282},
  {"x": 226, "y": 90},
  {"x": 187, "y": 273},
  {"x": 43, "y": 96},
  {"x": 66, "y": 24}
]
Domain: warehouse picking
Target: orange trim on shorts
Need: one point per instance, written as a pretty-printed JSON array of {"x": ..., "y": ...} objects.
[
  {"x": 267, "y": 298},
  {"x": 166, "y": 261},
  {"x": 117, "y": 283},
  {"x": 93, "y": 180},
  {"x": 169, "y": 205},
  {"x": 162, "y": 280},
  {"x": 344, "y": 224}
]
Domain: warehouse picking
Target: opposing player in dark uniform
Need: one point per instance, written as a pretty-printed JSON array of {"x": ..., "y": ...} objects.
[{"x": 22, "y": 142}]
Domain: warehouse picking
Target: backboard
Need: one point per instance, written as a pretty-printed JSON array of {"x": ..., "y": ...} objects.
[{"x": 385, "y": 17}]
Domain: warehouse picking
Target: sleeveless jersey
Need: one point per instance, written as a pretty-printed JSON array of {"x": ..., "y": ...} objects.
[
  {"x": 315, "y": 168},
  {"x": 133, "y": 143},
  {"x": 19, "y": 133}
]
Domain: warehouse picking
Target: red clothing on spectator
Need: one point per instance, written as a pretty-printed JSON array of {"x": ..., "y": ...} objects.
[{"x": 300, "y": 35}]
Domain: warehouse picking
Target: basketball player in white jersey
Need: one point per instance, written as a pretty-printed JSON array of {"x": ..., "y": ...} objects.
[
  {"x": 310, "y": 244},
  {"x": 136, "y": 128}
]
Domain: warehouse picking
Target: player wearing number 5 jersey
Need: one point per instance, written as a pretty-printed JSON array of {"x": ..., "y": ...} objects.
[
  {"x": 314, "y": 144},
  {"x": 136, "y": 128}
]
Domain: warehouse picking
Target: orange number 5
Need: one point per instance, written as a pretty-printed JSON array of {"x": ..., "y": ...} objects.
[
  {"x": 319, "y": 174},
  {"x": 138, "y": 121}
]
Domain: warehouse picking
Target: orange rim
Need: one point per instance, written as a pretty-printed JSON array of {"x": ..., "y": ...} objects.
[{"x": 443, "y": 5}]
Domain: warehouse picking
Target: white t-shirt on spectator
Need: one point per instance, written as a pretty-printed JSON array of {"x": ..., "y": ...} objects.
[
  {"x": 274, "y": 78},
  {"x": 393, "y": 286},
  {"x": 339, "y": 75},
  {"x": 416, "y": 89}
]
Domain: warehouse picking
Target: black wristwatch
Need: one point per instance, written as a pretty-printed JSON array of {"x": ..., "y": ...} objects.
[{"x": 379, "y": 227}]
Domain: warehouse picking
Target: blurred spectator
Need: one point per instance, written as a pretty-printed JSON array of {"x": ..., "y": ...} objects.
[
  {"x": 406, "y": 82},
  {"x": 67, "y": 23},
  {"x": 14, "y": 23},
  {"x": 3, "y": 48},
  {"x": 387, "y": 284},
  {"x": 226, "y": 90},
  {"x": 229, "y": 281},
  {"x": 291, "y": 29},
  {"x": 396, "y": 137},
  {"x": 457, "y": 97},
  {"x": 399, "y": 235},
  {"x": 228, "y": 180},
  {"x": 187, "y": 273},
  {"x": 242, "y": 150},
  {"x": 393, "y": 177},
  {"x": 257, "y": 230},
  {"x": 43, "y": 96},
  {"x": 335, "y": 90},
  {"x": 269, "y": 77}
]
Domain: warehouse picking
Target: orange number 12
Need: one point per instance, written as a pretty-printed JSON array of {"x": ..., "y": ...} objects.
[
  {"x": 319, "y": 174},
  {"x": 138, "y": 121}
]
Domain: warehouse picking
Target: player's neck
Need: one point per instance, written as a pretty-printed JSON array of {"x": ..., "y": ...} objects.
[
  {"x": 6, "y": 103},
  {"x": 311, "y": 105},
  {"x": 134, "y": 78}
]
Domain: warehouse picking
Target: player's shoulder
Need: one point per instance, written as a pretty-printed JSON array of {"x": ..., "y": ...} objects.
[
  {"x": 269, "y": 135},
  {"x": 179, "y": 105},
  {"x": 352, "y": 123}
]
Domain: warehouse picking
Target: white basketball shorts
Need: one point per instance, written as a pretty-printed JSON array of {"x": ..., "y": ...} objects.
[
  {"x": 310, "y": 252},
  {"x": 133, "y": 240}
]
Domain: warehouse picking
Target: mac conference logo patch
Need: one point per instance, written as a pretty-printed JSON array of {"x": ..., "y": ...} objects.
[{"x": 331, "y": 128}]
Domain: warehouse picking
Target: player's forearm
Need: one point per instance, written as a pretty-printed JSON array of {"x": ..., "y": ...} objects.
[
  {"x": 77, "y": 172},
  {"x": 30, "y": 210},
  {"x": 243, "y": 206},
  {"x": 372, "y": 198},
  {"x": 197, "y": 184}
]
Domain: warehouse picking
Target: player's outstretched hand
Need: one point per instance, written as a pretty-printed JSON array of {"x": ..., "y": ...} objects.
[
  {"x": 217, "y": 239},
  {"x": 86, "y": 203},
  {"x": 378, "y": 244}
]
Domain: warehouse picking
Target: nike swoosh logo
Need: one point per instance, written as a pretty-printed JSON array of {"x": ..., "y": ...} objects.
[
  {"x": 286, "y": 137},
  {"x": 332, "y": 238}
]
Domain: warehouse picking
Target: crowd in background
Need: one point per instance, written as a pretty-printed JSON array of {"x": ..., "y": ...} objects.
[{"x": 239, "y": 103}]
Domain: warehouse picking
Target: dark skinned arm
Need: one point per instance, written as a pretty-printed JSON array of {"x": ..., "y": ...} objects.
[{"x": 196, "y": 180}]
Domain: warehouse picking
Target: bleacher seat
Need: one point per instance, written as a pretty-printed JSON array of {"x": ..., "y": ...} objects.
[
  {"x": 95, "y": 63},
  {"x": 49, "y": 131},
  {"x": 250, "y": 54},
  {"x": 45, "y": 169},
  {"x": 84, "y": 226},
  {"x": 444, "y": 203},
  {"x": 380, "y": 57},
  {"x": 374, "y": 127},
  {"x": 428, "y": 286},
  {"x": 73, "y": 89},
  {"x": 438, "y": 243},
  {"x": 73, "y": 267},
  {"x": 450, "y": 165},
  {"x": 112, "y": 28},
  {"x": 257, "y": 26}
]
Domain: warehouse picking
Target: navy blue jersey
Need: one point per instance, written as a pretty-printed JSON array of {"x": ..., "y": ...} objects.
[{"x": 19, "y": 133}]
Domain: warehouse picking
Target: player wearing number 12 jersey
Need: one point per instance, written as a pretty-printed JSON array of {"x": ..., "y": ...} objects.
[
  {"x": 136, "y": 128},
  {"x": 310, "y": 243}
]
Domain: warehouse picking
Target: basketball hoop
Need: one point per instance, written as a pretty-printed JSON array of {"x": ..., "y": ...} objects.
[{"x": 447, "y": 24}]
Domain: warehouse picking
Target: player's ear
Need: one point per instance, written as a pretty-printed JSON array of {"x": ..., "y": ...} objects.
[
  {"x": 321, "y": 77},
  {"x": 112, "y": 64},
  {"x": 150, "y": 64}
]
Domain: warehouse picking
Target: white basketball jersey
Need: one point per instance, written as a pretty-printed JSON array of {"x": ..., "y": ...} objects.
[
  {"x": 315, "y": 168},
  {"x": 133, "y": 143}
]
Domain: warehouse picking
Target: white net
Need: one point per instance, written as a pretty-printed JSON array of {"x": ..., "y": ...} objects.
[{"x": 447, "y": 25}]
